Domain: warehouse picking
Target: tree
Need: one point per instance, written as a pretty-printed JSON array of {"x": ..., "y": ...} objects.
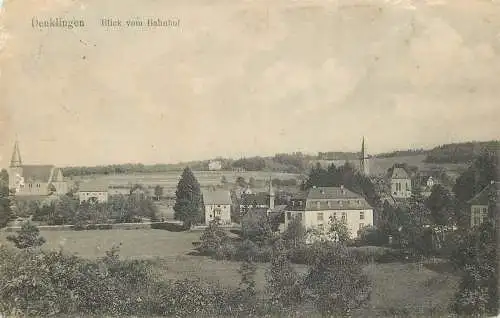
[
  {"x": 4, "y": 178},
  {"x": 294, "y": 234},
  {"x": 284, "y": 284},
  {"x": 440, "y": 204},
  {"x": 223, "y": 180},
  {"x": 187, "y": 206},
  {"x": 246, "y": 294},
  {"x": 27, "y": 237},
  {"x": 213, "y": 237},
  {"x": 477, "y": 258},
  {"x": 336, "y": 280},
  {"x": 5, "y": 209},
  {"x": 158, "y": 192},
  {"x": 339, "y": 230},
  {"x": 256, "y": 228},
  {"x": 240, "y": 181},
  {"x": 64, "y": 210}
]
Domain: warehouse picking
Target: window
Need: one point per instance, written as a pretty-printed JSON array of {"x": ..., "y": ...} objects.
[
  {"x": 299, "y": 216},
  {"x": 348, "y": 202},
  {"x": 362, "y": 215},
  {"x": 358, "y": 202},
  {"x": 30, "y": 185},
  {"x": 289, "y": 215},
  {"x": 340, "y": 202},
  {"x": 318, "y": 205},
  {"x": 321, "y": 227},
  {"x": 334, "y": 216},
  {"x": 407, "y": 186},
  {"x": 320, "y": 216},
  {"x": 329, "y": 204},
  {"x": 38, "y": 185},
  {"x": 300, "y": 203},
  {"x": 476, "y": 216},
  {"x": 361, "y": 225},
  {"x": 344, "y": 216}
]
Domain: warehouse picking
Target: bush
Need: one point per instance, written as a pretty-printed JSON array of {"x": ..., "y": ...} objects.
[
  {"x": 172, "y": 227},
  {"x": 105, "y": 226}
]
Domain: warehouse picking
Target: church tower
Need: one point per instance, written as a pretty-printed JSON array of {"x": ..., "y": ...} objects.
[
  {"x": 271, "y": 194},
  {"x": 363, "y": 160},
  {"x": 15, "y": 168}
]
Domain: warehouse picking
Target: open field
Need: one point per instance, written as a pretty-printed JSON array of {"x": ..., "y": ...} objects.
[
  {"x": 170, "y": 179},
  {"x": 399, "y": 289}
]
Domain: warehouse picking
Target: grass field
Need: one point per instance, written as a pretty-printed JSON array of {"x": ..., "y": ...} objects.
[{"x": 399, "y": 289}]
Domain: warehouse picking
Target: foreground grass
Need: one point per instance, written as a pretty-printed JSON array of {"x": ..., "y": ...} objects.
[{"x": 399, "y": 289}]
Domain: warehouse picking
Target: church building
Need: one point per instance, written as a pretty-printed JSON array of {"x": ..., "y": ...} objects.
[{"x": 34, "y": 180}]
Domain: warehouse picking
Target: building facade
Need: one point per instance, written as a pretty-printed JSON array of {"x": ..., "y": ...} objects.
[
  {"x": 315, "y": 208},
  {"x": 93, "y": 192},
  {"x": 401, "y": 185},
  {"x": 217, "y": 204},
  {"x": 480, "y": 204},
  {"x": 34, "y": 180}
]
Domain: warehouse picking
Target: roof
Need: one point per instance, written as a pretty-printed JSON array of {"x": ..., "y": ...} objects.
[
  {"x": 330, "y": 198},
  {"x": 260, "y": 198},
  {"x": 483, "y": 197},
  {"x": 92, "y": 186},
  {"x": 217, "y": 197},
  {"x": 33, "y": 173},
  {"x": 399, "y": 173}
]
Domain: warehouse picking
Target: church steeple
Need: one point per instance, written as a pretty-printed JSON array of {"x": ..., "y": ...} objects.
[
  {"x": 271, "y": 194},
  {"x": 16, "y": 161},
  {"x": 363, "y": 160}
]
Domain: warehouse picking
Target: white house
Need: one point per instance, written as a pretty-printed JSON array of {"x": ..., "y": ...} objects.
[
  {"x": 315, "y": 207},
  {"x": 400, "y": 183},
  {"x": 217, "y": 205},
  {"x": 214, "y": 165},
  {"x": 93, "y": 192}
]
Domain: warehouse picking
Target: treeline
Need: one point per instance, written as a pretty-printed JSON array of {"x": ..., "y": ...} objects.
[
  {"x": 400, "y": 153},
  {"x": 68, "y": 210},
  {"x": 464, "y": 152},
  {"x": 337, "y": 155}
]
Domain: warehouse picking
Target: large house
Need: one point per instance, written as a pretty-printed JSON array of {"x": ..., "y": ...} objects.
[
  {"x": 479, "y": 204},
  {"x": 400, "y": 182},
  {"x": 315, "y": 208},
  {"x": 28, "y": 181},
  {"x": 217, "y": 205},
  {"x": 93, "y": 192}
]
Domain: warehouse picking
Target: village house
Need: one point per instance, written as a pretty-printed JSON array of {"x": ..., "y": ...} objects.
[
  {"x": 93, "y": 192},
  {"x": 480, "y": 203},
  {"x": 215, "y": 165},
  {"x": 217, "y": 204},
  {"x": 401, "y": 184},
  {"x": 34, "y": 181},
  {"x": 315, "y": 207}
]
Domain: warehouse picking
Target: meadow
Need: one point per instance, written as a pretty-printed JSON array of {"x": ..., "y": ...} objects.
[{"x": 399, "y": 289}]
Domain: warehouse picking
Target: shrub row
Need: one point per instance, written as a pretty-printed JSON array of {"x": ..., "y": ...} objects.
[{"x": 38, "y": 283}]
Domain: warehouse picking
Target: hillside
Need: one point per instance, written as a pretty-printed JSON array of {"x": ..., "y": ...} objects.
[
  {"x": 460, "y": 152},
  {"x": 297, "y": 162}
]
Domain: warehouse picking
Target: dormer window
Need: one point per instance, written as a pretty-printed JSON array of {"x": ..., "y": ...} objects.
[{"x": 318, "y": 205}]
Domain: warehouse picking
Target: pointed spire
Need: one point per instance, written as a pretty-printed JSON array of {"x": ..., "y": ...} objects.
[
  {"x": 363, "y": 148},
  {"x": 16, "y": 161}
]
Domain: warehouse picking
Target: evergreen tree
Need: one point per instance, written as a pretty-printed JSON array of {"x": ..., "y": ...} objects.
[{"x": 187, "y": 206}]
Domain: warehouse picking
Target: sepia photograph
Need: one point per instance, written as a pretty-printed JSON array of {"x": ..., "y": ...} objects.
[{"x": 314, "y": 158}]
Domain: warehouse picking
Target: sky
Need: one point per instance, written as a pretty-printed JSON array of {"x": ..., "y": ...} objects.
[{"x": 243, "y": 78}]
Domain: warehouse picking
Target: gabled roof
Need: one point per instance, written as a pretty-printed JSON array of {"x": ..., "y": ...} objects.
[
  {"x": 331, "y": 193},
  {"x": 37, "y": 173},
  {"x": 483, "y": 197},
  {"x": 399, "y": 173},
  {"x": 93, "y": 186},
  {"x": 217, "y": 197},
  {"x": 261, "y": 198},
  {"x": 330, "y": 198}
]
